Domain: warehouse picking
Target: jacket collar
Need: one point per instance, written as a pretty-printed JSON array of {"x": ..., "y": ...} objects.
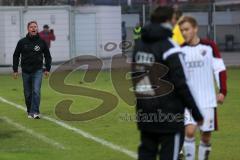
[{"x": 33, "y": 38}]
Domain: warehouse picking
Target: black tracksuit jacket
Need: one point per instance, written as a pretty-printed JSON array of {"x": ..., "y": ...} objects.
[
  {"x": 32, "y": 50},
  {"x": 174, "y": 95}
]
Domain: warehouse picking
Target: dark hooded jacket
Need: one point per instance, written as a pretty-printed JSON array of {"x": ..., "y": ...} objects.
[
  {"x": 31, "y": 50},
  {"x": 159, "y": 82}
]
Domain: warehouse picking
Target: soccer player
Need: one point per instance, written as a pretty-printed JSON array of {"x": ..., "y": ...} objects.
[
  {"x": 161, "y": 98},
  {"x": 32, "y": 49},
  {"x": 203, "y": 61}
]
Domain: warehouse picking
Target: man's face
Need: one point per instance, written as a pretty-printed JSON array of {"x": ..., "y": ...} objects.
[
  {"x": 188, "y": 31},
  {"x": 46, "y": 29},
  {"x": 33, "y": 29}
]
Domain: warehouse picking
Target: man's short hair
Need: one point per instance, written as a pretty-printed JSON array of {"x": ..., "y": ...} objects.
[
  {"x": 188, "y": 19},
  {"x": 31, "y": 22},
  {"x": 46, "y": 26},
  {"x": 162, "y": 14}
]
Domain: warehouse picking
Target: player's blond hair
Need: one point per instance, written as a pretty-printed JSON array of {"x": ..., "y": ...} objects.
[{"x": 188, "y": 19}]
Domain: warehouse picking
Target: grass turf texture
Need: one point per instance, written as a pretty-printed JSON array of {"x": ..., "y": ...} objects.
[{"x": 19, "y": 145}]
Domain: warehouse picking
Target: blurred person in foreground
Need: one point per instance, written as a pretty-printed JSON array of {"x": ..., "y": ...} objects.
[{"x": 162, "y": 92}]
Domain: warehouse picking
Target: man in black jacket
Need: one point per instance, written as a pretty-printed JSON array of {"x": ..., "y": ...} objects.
[
  {"x": 32, "y": 49},
  {"x": 161, "y": 89}
]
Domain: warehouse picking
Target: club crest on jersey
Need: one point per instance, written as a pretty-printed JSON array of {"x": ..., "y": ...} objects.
[
  {"x": 203, "y": 53},
  {"x": 36, "y": 48}
]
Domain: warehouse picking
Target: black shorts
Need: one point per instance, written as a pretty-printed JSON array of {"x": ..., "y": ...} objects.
[{"x": 166, "y": 145}]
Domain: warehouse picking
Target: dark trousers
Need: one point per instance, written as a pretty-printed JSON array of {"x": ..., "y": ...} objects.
[
  {"x": 32, "y": 90},
  {"x": 166, "y": 145}
]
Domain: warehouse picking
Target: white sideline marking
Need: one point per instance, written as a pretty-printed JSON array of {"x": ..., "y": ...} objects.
[
  {"x": 34, "y": 134},
  {"x": 78, "y": 131}
]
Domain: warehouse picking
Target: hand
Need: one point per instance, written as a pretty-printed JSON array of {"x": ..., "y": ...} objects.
[
  {"x": 15, "y": 75},
  {"x": 46, "y": 73},
  {"x": 220, "y": 98}
]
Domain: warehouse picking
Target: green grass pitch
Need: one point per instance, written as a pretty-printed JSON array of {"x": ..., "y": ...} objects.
[{"x": 17, "y": 144}]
